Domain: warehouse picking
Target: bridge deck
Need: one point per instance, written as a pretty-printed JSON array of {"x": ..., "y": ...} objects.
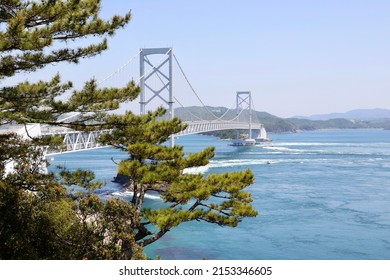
[{"x": 76, "y": 140}]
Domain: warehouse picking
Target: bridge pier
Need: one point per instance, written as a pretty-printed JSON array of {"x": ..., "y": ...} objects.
[
  {"x": 165, "y": 78},
  {"x": 244, "y": 102}
]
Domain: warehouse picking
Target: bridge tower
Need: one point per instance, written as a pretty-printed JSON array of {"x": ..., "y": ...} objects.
[
  {"x": 156, "y": 70},
  {"x": 244, "y": 102}
]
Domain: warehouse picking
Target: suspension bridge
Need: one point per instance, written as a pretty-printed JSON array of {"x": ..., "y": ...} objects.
[{"x": 156, "y": 77}]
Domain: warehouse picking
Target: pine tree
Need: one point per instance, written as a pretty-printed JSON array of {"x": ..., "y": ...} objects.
[
  {"x": 40, "y": 220},
  {"x": 152, "y": 166},
  {"x": 30, "y": 34}
]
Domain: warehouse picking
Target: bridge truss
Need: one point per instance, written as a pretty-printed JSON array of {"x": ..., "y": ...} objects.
[{"x": 76, "y": 140}]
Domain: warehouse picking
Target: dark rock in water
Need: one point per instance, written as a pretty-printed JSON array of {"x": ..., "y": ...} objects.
[
  {"x": 126, "y": 183},
  {"x": 121, "y": 179}
]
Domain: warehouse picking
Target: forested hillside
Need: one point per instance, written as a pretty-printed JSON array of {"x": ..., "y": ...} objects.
[{"x": 276, "y": 124}]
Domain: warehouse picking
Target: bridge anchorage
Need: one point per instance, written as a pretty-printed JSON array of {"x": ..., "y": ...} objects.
[{"x": 151, "y": 71}]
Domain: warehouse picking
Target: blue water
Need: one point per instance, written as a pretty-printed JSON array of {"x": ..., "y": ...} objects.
[{"x": 320, "y": 195}]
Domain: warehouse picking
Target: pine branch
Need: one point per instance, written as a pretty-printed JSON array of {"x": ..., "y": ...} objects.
[{"x": 154, "y": 238}]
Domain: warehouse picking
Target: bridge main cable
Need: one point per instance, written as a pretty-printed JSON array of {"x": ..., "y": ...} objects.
[
  {"x": 119, "y": 69},
  {"x": 192, "y": 88}
]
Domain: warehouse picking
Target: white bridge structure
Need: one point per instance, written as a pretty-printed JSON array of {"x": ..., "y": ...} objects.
[
  {"x": 156, "y": 81},
  {"x": 78, "y": 140}
]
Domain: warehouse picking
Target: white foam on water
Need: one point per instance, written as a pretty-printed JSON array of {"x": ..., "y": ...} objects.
[
  {"x": 130, "y": 194},
  {"x": 307, "y": 144},
  {"x": 283, "y": 149},
  {"x": 277, "y": 148},
  {"x": 237, "y": 162},
  {"x": 251, "y": 162},
  {"x": 196, "y": 170}
]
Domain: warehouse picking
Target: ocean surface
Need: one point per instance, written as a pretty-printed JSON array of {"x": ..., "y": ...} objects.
[{"x": 320, "y": 194}]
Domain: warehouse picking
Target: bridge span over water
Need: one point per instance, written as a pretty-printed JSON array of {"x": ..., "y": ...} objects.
[
  {"x": 77, "y": 140},
  {"x": 156, "y": 82}
]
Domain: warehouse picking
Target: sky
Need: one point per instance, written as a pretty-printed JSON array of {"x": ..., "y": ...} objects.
[{"x": 298, "y": 57}]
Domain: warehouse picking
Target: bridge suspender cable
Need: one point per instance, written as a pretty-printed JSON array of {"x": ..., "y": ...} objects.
[
  {"x": 200, "y": 100},
  {"x": 119, "y": 69},
  {"x": 188, "y": 111},
  {"x": 193, "y": 90},
  {"x": 254, "y": 109}
]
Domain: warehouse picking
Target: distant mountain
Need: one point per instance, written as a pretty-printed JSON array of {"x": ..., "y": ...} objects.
[
  {"x": 195, "y": 113},
  {"x": 339, "y": 123},
  {"x": 374, "y": 118},
  {"x": 359, "y": 114},
  {"x": 272, "y": 123}
]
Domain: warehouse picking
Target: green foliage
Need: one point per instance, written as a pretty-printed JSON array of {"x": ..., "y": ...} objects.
[
  {"x": 32, "y": 26},
  {"x": 40, "y": 219},
  {"x": 35, "y": 34},
  {"x": 217, "y": 198},
  {"x": 82, "y": 178}
]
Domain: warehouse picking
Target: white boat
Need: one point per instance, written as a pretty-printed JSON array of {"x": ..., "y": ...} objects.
[{"x": 243, "y": 142}]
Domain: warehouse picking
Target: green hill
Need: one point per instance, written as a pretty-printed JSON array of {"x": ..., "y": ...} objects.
[
  {"x": 273, "y": 123},
  {"x": 303, "y": 124}
]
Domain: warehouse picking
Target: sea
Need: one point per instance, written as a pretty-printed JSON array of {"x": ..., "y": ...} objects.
[{"x": 321, "y": 195}]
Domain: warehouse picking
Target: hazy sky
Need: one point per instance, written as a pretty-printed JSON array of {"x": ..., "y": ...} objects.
[{"x": 297, "y": 57}]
